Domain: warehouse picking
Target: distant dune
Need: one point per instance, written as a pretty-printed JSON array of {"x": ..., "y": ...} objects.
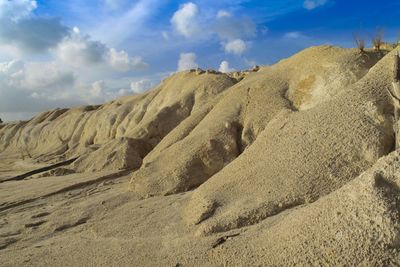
[{"x": 282, "y": 165}]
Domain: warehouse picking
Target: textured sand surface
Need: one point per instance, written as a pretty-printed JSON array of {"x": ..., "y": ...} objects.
[{"x": 289, "y": 164}]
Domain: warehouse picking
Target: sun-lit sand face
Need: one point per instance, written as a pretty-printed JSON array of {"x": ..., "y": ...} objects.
[{"x": 281, "y": 165}]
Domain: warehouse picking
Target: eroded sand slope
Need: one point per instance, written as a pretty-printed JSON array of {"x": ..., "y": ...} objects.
[{"x": 283, "y": 165}]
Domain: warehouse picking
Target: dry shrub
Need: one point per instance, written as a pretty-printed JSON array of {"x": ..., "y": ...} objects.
[
  {"x": 377, "y": 39},
  {"x": 360, "y": 42}
]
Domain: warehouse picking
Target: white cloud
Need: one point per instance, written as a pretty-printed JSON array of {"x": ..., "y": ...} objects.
[
  {"x": 34, "y": 86},
  {"x": 79, "y": 51},
  {"x": 76, "y": 30},
  {"x": 9, "y": 52},
  {"x": 236, "y": 47},
  {"x": 206, "y": 24},
  {"x": 224, "y": 67},
  {"x": 122, "y": 62},
  {"x": 223, "y": 14},
  {"x": 29, "y": 87},
  {"x": 184, "y": 20},
  {"x": 101, "y": 91},
  {"x": 141, "y": 86},
  {"x": 11, "y": 67},
  {"x": 312, "y": 4},
  {"x": 187, "y": 61},
  {"x": 46, "y": 76},
  {"x": 97, "y": 89},
  {"x": 35, "y": 76},
  {"x": 137, "y": 63}
]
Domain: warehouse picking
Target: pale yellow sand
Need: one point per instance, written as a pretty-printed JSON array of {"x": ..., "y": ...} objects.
[{"x": 286, "y": 166}]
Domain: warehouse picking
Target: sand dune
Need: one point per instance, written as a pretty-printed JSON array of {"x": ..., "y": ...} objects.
[{"x": 289, "y": 164}]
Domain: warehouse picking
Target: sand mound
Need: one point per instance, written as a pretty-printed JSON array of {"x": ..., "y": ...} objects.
[
  {"x": 119, "y": 154},
  {"x": 356, "y": 225},
  {"x": 66, "y": 133},
  {"x": 301, "y": 156},
  {"x": 259, "y": 101}
]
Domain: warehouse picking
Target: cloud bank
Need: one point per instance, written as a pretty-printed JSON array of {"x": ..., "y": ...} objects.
[{"x": 236, "y": 47}]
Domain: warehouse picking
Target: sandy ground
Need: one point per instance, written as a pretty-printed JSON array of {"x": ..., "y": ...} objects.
[{"x": 94, "y": 220}]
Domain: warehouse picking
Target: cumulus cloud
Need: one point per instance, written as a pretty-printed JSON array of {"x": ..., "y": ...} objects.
[
  {"x": 312, "y": 4},
  {"x": 236, "y": 47},
  {"x": 189, "y": 20},
  {"x": 97, "y": 89},
  {"x": 224, "y": 67},
  {"x": 141, "y": 86},
  {"x": 35, "y": 76},
  {"x": 46, "y": 77},
  {"x": 11, "y": 67},
  {"x": 76, "y": 30},
  {"x": 187, "y": 61},
  {"x": 35, "y": 86},
  {"x": 230, "y": 29},
  {"x": 184, "y": 19},
  {"x": 29, "y": 33},
  {"x": 79, "y": 51},
  {"x": 122, "y": 62},
  {"x": 29, "y": 87}
]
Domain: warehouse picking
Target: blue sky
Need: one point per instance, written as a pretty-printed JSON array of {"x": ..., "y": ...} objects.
[{"x": 65, "y": 53}]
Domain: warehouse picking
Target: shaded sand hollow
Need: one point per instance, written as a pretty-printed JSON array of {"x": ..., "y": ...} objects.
[{"x": 283, "y": 165}]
